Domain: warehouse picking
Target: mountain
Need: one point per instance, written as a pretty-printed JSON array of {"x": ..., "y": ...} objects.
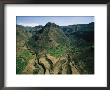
[
  {"x": 78, "y": 27},
  {"x": 54, "y": 49},
  {"x": 23, "y": 55},
  {"x": 50, "y": 44}
]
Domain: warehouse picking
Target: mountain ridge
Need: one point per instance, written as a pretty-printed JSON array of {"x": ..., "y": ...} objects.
[{"x": 51, "y": 49}]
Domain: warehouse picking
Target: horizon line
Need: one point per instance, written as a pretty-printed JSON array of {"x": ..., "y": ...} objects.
[{"x": 33, "y": 25}]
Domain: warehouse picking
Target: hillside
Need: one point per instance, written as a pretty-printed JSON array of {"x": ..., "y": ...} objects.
[{"x": 54, "y": 49}]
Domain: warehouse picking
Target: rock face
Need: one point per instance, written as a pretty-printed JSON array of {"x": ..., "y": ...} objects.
[{"x": 48, "y": 50}]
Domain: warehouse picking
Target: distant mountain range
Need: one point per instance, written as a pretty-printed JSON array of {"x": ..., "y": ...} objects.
[{"x": 54, "y": 49}]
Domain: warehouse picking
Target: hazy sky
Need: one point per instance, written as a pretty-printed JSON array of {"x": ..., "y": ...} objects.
[{"x": 59, "y": 20}]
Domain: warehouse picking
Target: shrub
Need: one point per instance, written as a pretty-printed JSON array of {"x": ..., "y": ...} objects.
[
  {"x": 57, "y": 52},
  {"x": 22, "y": 60}
]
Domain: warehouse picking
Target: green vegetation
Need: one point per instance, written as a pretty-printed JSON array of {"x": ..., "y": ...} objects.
[
  {"x": 25, "y": 54},
  {"x": 20, "y": 65},
  {"x": 84, "y": 58},
  {"x": 22, "y": 60},
  {"x": 56, "y": 52},
  {"x": 71, "y": 49},
  {"x": 31, "y": 44}
]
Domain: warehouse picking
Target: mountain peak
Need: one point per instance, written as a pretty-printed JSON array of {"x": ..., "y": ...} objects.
[{"x": 50, "y": 24}]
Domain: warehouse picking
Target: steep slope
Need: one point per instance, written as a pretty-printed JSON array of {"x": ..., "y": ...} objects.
[
  {"x": 53, "y": 49},
  {"x": 78, "y": 27},
  {"x": 49, "y": 38},
  {"x": 23, "y": 55},
  {"x": 82, "y": 40}
]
